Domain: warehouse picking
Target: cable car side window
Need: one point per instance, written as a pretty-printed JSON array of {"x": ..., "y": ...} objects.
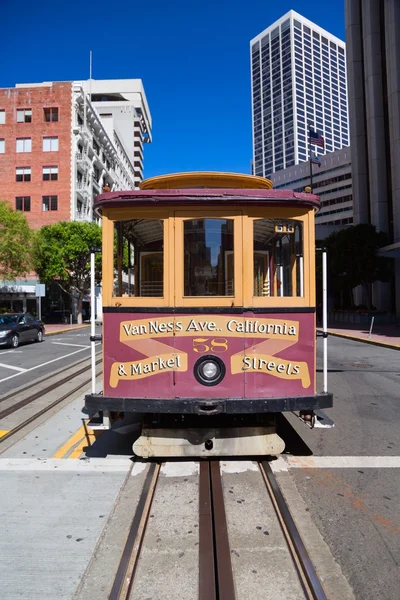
[
  {"x": 278, "y": 258},
  {"x": 208, "y": 257},
  {"x": 139, "y": 258}
]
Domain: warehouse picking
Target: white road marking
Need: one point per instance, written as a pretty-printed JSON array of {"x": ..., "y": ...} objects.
[
  {"x": 13, "y": 368},
  {"x": 47, "y": 363},
  {"x": 99, "y": 465},
  {"x": 138, "y": 468},
  {"x": 284, "y": 463},
  {"x": 238, "y": 466},
  {"x": 8, "y": 352},
  {"x": 74, "y": 345},
  {"x": 180, "y": 469}
]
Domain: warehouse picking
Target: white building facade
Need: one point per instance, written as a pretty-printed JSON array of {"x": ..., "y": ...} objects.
[
  {"x": 111, "y": 123},
  {"x": 298, "y": 76}
]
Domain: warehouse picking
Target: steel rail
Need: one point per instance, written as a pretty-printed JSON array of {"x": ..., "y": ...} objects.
[
  {"x": 207, "y": 580},
  {"x": 313, "y": 588},
  {"x": 215, "y": 566},
  {"x": 46, "y": 408},
  {"x": 12, "y": 409},
  {"x": 41, "y": 380},
  {"x": 125, "y": 575}
]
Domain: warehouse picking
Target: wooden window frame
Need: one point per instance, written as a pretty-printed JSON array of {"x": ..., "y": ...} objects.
[
  {"x": 110, "y": 216},
  {"x": 208, "y": 213},
  {"x": 173, "y": 283},
  {"x": 304, "y": 216}
]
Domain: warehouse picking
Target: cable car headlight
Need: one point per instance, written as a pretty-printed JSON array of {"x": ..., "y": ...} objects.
[{"x": 209, "y": 370}]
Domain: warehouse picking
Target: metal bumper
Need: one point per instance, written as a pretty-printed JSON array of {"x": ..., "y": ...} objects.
[{"x": 207, "y": 406}]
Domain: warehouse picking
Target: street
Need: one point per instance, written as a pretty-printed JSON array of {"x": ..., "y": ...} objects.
[
  {"x": 31, "y": 361},
  {"x": 357, "y": 508}
]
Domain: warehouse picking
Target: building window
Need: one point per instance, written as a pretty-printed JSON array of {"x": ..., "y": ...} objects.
[
  {"x": 50, "y": 114},
  {"x": 50, "y": 173},
  {"x": 23, "y": 174},
  {"x": 50, "y": 144},
  {"x": 23, "y": 203},
  {"x": 2, "y": 116},
  {"x": 24, "y": 144},
  {"x": 50, "y": 203},
  {"x": 24, "y": 115},
  {"x": 2, "y": 146}
]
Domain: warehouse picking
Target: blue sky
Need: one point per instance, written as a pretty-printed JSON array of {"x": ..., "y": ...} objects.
[{"x": 192, "y": 56}]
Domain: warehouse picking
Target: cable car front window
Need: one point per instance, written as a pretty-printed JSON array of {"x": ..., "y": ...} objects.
[
  {"x": 278, "y": 257},
  {"x": 138, "y": 258},
  {"x": 208, "y": 257}
]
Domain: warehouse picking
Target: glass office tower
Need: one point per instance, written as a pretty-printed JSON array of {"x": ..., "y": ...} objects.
[{"x": 298, "y": 76}]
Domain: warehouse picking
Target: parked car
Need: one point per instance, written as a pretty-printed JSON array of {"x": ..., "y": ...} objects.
[{"x": 20, "y": 327}]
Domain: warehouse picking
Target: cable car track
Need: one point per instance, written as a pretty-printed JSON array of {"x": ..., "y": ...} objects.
[
  {"x": 216, "y": 573},
  {"x": 39, "y": 394}
]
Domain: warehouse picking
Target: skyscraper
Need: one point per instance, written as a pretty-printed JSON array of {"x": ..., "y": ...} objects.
[
  {"x": 372, "y": 34},
  {"x": 298, "y": 76}
]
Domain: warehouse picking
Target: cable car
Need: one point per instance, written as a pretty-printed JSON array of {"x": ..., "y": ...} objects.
[{"x": 208, "y": 312}]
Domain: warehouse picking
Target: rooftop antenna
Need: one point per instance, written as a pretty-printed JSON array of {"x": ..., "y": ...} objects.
[{"x": 90, "y": 76}]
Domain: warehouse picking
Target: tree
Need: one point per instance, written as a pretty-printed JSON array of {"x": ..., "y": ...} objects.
[
  {"x": 15, "y": 242},
  {"x": 62, "y": 253},
  {"x": 353, "y": 261}
]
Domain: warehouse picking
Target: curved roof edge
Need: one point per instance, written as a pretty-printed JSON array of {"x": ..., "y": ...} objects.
[{"x": 205, "y": 179}]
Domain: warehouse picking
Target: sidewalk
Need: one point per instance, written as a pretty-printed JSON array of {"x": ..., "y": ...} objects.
[
  {"x": 55, "y": 328},
  {"x": 382, "y": 335}
]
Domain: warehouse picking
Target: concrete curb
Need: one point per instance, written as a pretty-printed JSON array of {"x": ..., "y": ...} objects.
[
  {"x": 58, "y": 331},
  {"x": 358, "y": 339}
]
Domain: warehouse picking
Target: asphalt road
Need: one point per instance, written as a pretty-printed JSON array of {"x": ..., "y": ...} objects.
[
  {"x": 358, "y": 509},
  {"x": 32, "y": 360}
]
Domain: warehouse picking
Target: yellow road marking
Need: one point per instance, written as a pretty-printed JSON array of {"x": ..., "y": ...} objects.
[
  {"x": 88, "y": 440},
  {"x": 73, "y": 440},
  {"x": 3, "y": 432}
]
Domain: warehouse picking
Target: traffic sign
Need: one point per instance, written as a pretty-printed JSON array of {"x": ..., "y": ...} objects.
[{"x": 40, "y": 290}]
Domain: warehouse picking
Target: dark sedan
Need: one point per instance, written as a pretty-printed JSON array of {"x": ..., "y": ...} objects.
[{"x": 20, "y": 327}]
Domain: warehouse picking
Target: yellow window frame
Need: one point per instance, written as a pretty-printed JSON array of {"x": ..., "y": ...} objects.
[
  {"x": 307, "y": 218},
  {"x": 173, "y": 273},
  {"x": 209, "y": 213},
  {"x": 110, "y": 216}
]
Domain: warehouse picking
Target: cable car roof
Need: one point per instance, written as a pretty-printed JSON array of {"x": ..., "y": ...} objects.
[{"x": 238, "y": 198}]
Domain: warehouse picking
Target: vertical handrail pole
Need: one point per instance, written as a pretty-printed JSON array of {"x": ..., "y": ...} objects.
[
  {"x": 325, "y": 319},
  {"x": 301, "y": 267},
  {"x": 93, "y": 321}
]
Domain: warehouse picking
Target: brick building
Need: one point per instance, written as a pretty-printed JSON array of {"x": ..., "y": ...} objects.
[{"x": 59, "y": 145}]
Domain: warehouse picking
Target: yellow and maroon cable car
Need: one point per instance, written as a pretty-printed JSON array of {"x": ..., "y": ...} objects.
[{"x": 208, "y": 312}]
